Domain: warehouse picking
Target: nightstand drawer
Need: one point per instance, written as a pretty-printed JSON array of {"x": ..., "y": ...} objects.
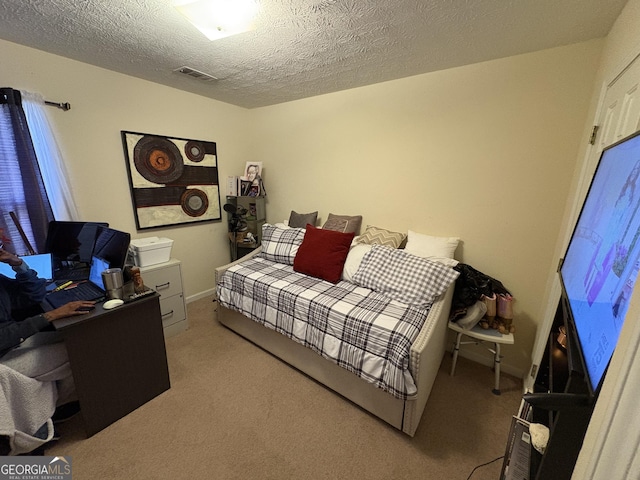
[
  {"x": 166, "y": 281},
  {"x": 171, "y": 309}
]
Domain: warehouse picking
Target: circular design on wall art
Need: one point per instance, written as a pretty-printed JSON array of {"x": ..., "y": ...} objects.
[
  {"x": 157, "y": 159},
  {"x": 194, "y": 202},
  {"x": 194, "y": 151}
]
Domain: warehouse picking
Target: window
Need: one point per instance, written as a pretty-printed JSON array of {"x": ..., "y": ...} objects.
[{"x": 33, "y": 185}]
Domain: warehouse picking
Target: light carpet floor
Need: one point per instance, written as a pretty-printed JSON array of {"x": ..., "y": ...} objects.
[{"x": 236, "y": 412}]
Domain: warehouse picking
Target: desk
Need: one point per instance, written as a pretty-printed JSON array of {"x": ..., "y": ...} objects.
[{"x": 118, "y": 359}]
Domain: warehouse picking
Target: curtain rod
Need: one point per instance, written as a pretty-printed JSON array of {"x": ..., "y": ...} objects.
[{"x": 64, "y": 106}]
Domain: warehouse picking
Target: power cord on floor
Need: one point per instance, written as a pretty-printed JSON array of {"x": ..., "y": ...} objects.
[{"x": 484, "y": 465}]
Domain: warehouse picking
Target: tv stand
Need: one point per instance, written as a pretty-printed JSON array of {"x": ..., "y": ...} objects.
[
  {"x": 561, "y": 401},
  {"x": 558, "y": 401}
]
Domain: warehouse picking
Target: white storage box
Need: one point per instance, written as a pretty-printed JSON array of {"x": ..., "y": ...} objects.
[{"x": 150, "y": 250}]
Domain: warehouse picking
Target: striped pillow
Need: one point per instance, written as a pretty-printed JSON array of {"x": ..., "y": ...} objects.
[{"x": 380, "y": 236}]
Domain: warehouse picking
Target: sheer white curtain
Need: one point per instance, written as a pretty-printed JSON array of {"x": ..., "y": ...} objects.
[{"x": 52, "y": 167}]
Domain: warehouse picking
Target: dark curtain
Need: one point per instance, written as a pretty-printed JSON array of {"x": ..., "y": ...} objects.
[{"x": 24, "y": 207}]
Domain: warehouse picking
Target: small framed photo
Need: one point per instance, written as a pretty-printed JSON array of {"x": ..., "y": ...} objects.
[{"x": 253, "y": 172}]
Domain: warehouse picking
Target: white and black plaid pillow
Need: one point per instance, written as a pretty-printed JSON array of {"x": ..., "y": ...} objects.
[
  {"x": 279, "y": 244},
  {"x": 403, "y": 277}
]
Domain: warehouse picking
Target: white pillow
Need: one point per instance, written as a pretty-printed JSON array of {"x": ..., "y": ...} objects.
[
  {"x": 354, "y": 259},
  {"x": 439, "y": 249}
]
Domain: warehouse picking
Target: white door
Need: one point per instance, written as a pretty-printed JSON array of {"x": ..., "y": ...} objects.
[
  {"x": 621, "y": 107},
  {"x": 619, "y": 116}
]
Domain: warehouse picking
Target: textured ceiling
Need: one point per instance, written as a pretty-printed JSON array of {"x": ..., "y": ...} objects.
[{"x": 301, "y": 48}]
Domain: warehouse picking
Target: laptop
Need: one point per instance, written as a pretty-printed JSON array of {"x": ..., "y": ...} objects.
[
  {"x": 41, "y": 263},
  {"x": 91, "y": 289},
  {"x": 73, "y": 273}
]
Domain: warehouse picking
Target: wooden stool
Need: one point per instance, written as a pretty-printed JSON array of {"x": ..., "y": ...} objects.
[{"x": 479, "y": 336}]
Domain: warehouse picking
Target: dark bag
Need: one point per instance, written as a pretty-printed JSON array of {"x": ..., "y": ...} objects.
[{"x": 470, "y": 286}]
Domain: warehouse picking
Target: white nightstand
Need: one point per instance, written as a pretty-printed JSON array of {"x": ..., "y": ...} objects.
[{"x": 166, "y": 279}]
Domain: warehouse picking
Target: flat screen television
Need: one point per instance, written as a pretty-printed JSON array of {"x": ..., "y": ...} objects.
[{"x": 600, "y": 266}]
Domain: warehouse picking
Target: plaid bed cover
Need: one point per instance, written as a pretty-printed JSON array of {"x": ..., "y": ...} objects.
[{"x": 354, "y": 327}]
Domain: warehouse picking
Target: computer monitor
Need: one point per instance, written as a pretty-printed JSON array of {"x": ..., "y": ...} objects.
[
  {"x": 112, "y": 245},
  {"x": 72, "y": 241}
]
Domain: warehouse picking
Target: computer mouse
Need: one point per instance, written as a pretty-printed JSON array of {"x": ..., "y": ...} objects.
[{"x": 109, "y": 304}]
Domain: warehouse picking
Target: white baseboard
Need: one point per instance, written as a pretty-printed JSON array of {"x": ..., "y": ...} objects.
[{"x": 198, "y": 296}]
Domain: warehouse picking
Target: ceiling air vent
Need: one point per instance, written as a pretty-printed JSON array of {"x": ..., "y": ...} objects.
[{"x": 192, "y": 72}]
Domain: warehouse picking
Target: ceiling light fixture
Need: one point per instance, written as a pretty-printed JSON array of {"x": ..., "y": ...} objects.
[{"x": 219, "y": 18}]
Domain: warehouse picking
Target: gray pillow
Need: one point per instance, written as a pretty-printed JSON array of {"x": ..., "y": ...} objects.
[
  {"x": 343, "y": 223},
  {"x": 300, "y": 220}
]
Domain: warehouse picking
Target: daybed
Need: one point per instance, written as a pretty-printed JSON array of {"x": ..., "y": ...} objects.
[{"x": 398, "y": 404}]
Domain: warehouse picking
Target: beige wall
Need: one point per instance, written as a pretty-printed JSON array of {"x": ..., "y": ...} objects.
[
  {"x": 484, "y": 152},
  {"x": 102, "y": 104}
]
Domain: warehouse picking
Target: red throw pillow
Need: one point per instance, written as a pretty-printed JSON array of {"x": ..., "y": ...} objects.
[{"x": 322, "y": 253}]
